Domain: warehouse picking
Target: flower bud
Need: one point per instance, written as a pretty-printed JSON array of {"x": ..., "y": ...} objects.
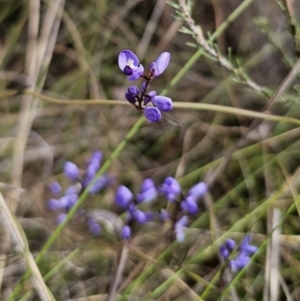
[
  {"x": 163, "y": 103},
  {"x": 123, "y": 197},
  {"x": 152, "y": 114}
]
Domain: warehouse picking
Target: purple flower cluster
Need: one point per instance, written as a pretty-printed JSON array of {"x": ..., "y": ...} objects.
[
  {"x": 80, "y": 179},
  {"x": 141, "y": 98},
  {"x": 171, "y": 191},
  {"x": 125, "y": 199},
  {"x": 242, "y": 258}
]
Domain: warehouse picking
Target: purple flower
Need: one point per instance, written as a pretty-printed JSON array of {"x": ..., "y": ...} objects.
[
  {"x": 71, "y": 171},
  {"x": 55, "y": 188},
  {"x": 198, "y": 190},
  {"x": 246, "y": 247},
  {"x": 132, "y": 93},
  {"x": 163, "y": 103},
  {"x": 239, "y": 262},
  {"x": 71, "y": 190},
  {"x": 100, "y": 184},
  {"x": 148, "y": 192},
  {"x": 170, "y": 189},
  {"x": 179, "y": 228},
  {"x": 189, "y": 205},
  {"x": 123, "y": 197},
  {"x": 224, "y": 252},
  {"x": 230, "y": 244},
  {"x": 126, "y": 232},
  {"x": 54, "y": 205},
  {"x": 152, "y": 114},
  {"x": 159, "y": 66},
  {"x": 139, "y": 216},
  {"x": 68, "y": 201},
  {"x": 130, "y": 65}
]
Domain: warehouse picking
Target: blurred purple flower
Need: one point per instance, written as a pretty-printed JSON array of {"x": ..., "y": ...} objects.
[
  {"x": 224, "y": 252},
  {"x": 55, "y": 188},
  {"x": 198, "y": 190},
  {"x": 68, "y": 201},
  {"x": 239, "y": 262},
  {"x": 71, "y": 171},
  {"x": 148, "y": 192},
  {"x": 179, "y": 228},
  {"x": 54, "y": 205},
  {"x": 246, "y": 247},
  {"x": 71, "y": 190},
  {"x": 163, "y": 103},
  {"x": 126, "y": 232},
  {"x": 123, "y": 197},
  {"x": 159, "y": 66},
  {"x": 170, "y": 189},
  {"x": 100, "y": 184},
  {"x": 230, "y": 244},
  {"x": 189, "y": 205},
  {"x": 130, "y": 65},
  {"x": 152, "y": 114}
]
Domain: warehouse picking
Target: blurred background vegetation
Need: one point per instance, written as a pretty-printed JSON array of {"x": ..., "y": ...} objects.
[{"x": 68, "y": 50}]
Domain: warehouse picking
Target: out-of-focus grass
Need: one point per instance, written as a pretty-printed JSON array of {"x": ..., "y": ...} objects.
[{"x": 261, "y": 173}]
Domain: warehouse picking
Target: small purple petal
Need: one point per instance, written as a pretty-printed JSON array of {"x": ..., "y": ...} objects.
[
  {"x": 130, "y": 97},
  {"x": 133, "y": 90},
  {"x": 136, "y": 72},
  {"x": 123, "y": 197},
  {"x": 246, "y": 247},
  {"x": 71, "y": 190},
  {"x": 54, "y": 205},
  {"x": 163, "y": 103},
  {"x": 180, "y": 236},
  {"x": 131, "y": 94},
  {"x": 239, "y": 262},
  {"x": 170, "y": 189},
  {"x": 126, "y": 232},
  {"x": 251, "y": 249},
  {"x": 147, "y": 196},
  {"x": 139, "y": 216},
  {"x": 245, "y": 241},
  {"x": 198, "y": 190},
  {"x": 100, "y": 184},
  {"x": 189, "y": 205},
  {"x": 224, "y": 252},
  {"x": 152, "y": 114},
  {"x": 130, "y": 65},
  {"x": 159, "y": 66},
  {"x": 71, "y": 171},
  {"x": 147, "y": 184},
  {"x": 55, "y": 188},
  {"x": 127, "y": 57},
  {"x": 68, "y": 201},
  {"x": 230, "y": 244},
  {"x": 182, "y": 222}
]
